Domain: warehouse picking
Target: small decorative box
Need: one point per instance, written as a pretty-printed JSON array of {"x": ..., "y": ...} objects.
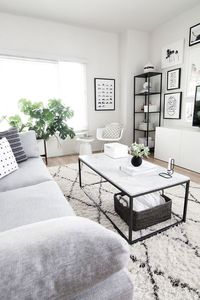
[
  {"x": 152, "y": 108},
  {"x": 116, "y": 150},
  {"x": 143, "y": 126}
]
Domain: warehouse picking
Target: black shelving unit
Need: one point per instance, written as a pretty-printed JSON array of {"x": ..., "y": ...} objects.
[{"x": 146, "y": 77}]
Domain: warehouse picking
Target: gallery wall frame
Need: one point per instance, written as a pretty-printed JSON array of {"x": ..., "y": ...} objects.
[
  {"x": 172, "y": 105},
  {"x": 174, "y": 79},
  {"x": 193, "y": 72},
  {"x": 196, "y": 109},
  {"x": 104, "y": 94},
  {"x": 194, "y": 35},
  {"x": 172, "y": 54}
]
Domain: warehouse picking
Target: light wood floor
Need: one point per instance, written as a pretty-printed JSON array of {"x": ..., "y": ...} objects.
[{"x": 69, "y": 159}]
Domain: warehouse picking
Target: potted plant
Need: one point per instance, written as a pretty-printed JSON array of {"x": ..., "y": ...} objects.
[
  {"x": 138, "y": 151},
  {"x": 46, "y": 120}
]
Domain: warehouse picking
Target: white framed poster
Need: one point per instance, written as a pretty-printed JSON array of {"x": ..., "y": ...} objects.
[
  {"x": 172, "y": 54},
  {"x": 172, "y": 105},
  {"x": 189, "y": 111},
  {"x": 193, "y": 71},
  {"x": 104, "y": 90}
]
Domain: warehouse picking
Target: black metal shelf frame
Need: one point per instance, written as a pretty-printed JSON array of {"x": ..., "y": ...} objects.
[{"x": 147, "y": 95}]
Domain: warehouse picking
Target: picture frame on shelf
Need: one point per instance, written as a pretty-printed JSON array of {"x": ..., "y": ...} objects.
[
  {"x": 174, "y": 79},
  {"x": 104, "y": 94},
  {"x": 172, "y": 105},
  {"x": 194, "y": 35},
  {"x": 172, "y": 54}
]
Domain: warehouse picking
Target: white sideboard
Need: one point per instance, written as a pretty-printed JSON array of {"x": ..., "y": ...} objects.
[{"x": 182, "y": 144}]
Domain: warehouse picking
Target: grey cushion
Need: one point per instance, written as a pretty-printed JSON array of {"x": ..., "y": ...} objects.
[
  {"x": 29, "y": 143},
  {"x": 13, "y": 138},
  {"x": 119, "y": 286},
  {"x": 58, "y": 259},
  {"x": 32, "y": 204},
  {"x": 30, "y": 172}
]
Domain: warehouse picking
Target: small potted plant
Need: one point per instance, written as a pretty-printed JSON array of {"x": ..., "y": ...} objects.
[{"x": 138, "y": 151}]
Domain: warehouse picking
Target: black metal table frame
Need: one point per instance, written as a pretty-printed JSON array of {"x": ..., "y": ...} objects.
[{"x": 129, "y": 239}]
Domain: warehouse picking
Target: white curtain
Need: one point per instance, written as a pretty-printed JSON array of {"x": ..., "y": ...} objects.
[{"x": 39, "y": 80}]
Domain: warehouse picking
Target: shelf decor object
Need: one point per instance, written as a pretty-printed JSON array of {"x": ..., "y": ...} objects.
[
  {"x": 104, "y": 92},
  {"x": 174, "y": 79},
  {"x": 172, "y": 54},
  {"x": 194, "y": 37},
  {"x": 142, "y": 106},
  {"x": 172, "y": 105}
]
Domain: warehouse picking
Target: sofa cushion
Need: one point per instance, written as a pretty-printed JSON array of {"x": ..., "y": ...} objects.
[
  {"x": 29, "y": 143},
  {"x": 8, "y": 162},
  {"x": 13, "y": 138},
  {"x": 58, "y": 259},
  {"x": 119, "y": 286},
  {"x": 32, "y": 204},
  {"x": 30, "y": 172}
]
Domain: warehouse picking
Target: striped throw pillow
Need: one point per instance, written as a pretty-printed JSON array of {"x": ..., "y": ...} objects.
[{"x": 13, "y": 138}]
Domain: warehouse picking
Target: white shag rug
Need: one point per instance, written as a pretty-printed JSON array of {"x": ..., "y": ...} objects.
[{"x": 163, "y": 267}]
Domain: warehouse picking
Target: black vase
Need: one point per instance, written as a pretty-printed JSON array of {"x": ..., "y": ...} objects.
[{"x": 136, "y": 161}]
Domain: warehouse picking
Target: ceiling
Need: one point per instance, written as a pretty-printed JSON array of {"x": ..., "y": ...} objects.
[{"x": 108, "y": 15}]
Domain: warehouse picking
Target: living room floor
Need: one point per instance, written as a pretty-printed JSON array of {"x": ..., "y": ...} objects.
[{"x": 69, "y": 159}]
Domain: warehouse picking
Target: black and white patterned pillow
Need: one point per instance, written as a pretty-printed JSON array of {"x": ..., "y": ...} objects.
[
  {"x": 112, "y": 131},
  {"x": 8, "y": 162},
  {"x": 13, "y": 138}
]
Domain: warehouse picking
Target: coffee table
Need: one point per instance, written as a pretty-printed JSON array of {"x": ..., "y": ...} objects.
[{"x": 145, "y": 181}]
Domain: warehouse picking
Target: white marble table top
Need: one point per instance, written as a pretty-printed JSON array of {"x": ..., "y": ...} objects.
[{"x": 145, "y": 180}]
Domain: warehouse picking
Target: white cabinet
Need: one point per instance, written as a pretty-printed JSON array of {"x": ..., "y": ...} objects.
[
  {"x": 190, "y": 150},
  {"x": 181, "y": 144}
]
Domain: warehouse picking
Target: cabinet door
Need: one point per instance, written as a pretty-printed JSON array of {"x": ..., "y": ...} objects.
[
  {"x": 190, "y": 149},
  {"x": 167, "y": 144}
]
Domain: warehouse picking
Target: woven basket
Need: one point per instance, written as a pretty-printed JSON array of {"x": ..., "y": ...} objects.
[{"x": 145, "y": 218}]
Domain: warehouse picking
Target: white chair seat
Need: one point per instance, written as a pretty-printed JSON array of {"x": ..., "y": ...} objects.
[{"x": 99, "y": 135}]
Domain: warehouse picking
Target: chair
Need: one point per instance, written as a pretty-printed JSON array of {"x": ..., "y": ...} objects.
[{"x": 112, "y": 136}]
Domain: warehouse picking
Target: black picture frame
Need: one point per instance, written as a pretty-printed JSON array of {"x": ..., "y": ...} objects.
[
  {"x": 178, "y": 70},
  {"x": 173, "y": 112},
  {"x": 104, "y": 94},
  {"x": 196, "y": 109},
  {"x": 192, "y": 43}
]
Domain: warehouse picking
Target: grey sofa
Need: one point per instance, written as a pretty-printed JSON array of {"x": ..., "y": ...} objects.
[{"x": 46, "y": 252}]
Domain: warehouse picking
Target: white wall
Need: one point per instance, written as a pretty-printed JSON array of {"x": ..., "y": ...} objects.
[
  {"x": 172, "y": 31},
  {"x": 100, "y": 50},
  {"x": 134, "y": 54}
]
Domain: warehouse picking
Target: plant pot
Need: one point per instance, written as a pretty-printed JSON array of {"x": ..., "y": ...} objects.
[{"x": 136, "y": 161}]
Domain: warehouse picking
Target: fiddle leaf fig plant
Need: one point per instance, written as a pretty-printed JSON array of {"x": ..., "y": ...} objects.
[{"x": 48, "y": 120}]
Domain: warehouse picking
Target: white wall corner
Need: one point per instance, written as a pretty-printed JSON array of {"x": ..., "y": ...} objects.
[{"x": 134, "y": 54}]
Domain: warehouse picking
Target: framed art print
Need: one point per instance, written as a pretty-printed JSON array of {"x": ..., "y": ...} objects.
[
  {"x": 193, "y": 71},
  {"x": 194, "y": 37},
  {"x": 172, "y": 54},
  {"x": 173, "y": 79},
  {"x": 172, "y": 105},
  {"x": 104, "y": 89}
]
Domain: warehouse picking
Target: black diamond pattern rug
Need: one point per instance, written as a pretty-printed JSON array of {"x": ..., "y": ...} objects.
[{"x": 164, "y": 267}]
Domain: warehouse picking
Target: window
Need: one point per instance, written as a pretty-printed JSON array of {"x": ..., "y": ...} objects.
[{"x": 40, "y": 80}]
